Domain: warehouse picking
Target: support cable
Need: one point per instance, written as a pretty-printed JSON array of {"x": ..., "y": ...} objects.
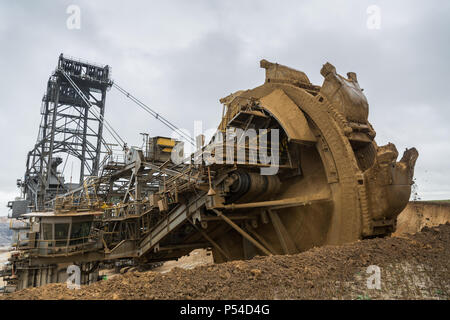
[
  {"x": 156, "y": 115},
  {"x": 98, "y": 116}
]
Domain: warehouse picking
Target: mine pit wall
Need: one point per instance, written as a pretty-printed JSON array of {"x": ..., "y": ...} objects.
[{"x": 420, "y": 214}]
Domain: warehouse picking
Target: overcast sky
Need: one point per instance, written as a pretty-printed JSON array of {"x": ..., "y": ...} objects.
[{"x": 181, "y": 57}]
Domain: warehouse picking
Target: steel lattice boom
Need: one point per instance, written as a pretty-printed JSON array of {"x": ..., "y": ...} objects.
[{"x": 68, "y": 127}]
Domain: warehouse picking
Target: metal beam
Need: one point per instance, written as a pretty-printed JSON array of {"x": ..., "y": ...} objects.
[
  {"x": 174, "y": 219},
  {"x": 285, "y": 239},
  {"x": 261, "y": 239},
  {"x": 284, "y": 203},
  {"x": 243, "y": 233},
  {"x": 215, "y": 244}
]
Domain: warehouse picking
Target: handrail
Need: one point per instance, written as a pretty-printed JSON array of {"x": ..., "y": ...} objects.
[{"x": 54, "y": 249}]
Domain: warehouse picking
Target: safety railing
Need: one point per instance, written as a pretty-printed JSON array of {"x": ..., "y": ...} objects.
[
  {"x": 58, "y": 247},
  {"x": 120, "y": 211}
]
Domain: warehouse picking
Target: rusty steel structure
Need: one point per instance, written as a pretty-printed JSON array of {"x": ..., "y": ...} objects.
[
  {"x": 69, "y": 126},
  {"x": 293, "y": 165}
]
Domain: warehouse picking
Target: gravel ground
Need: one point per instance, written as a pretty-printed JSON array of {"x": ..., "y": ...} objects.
[{"x": 411, "y": 267}]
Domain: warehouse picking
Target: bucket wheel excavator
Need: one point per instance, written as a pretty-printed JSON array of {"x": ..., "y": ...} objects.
[
  {"x": 334, "y": 184},
  {"x": 292, "y": 166}
]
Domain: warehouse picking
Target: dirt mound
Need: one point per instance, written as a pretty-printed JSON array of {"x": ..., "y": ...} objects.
[
  {"x": 196, "y": 258},
  {"x": 412, "y": 267}
]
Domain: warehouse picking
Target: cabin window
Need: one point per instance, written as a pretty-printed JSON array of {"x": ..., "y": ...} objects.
[
  {"x": 80, "y": 232},
  {"x": 61, "y": 233},
  {"x": 47, "y": 231}
]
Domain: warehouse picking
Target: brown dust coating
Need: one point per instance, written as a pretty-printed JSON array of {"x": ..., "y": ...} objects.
[
  {"x": 412, "y": 267},
  {"x": 326, "y": 182}
]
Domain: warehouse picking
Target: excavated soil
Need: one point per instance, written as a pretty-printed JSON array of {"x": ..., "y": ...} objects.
[{"x": 412, "y": 267}]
